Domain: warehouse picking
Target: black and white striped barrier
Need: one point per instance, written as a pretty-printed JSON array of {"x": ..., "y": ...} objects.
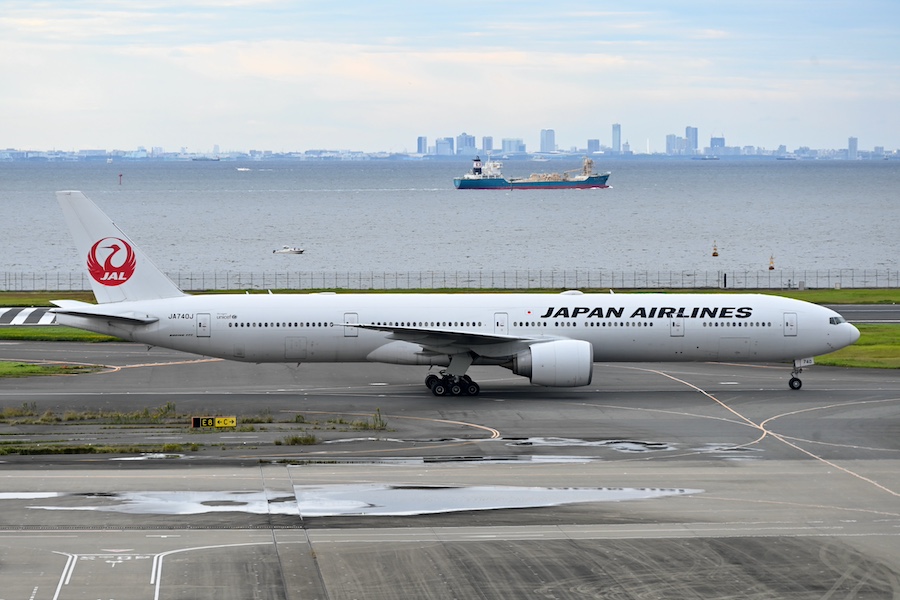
[{"x": 26, "y": 316}]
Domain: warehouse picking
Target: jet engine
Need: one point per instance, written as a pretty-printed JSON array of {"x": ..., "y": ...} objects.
[{"x": 561, "y": 363}]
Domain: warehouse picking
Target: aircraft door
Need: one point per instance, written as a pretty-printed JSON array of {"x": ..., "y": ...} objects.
[
  {"x": 500, "y": 323},
  {"x": 202, "y": 325},
  {"x": 676, "y": 328},
  {"x": 790, "y": 324},
  {"x": 351, "y": 331}
]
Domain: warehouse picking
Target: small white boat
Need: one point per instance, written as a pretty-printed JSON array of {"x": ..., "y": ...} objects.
[{"x": 288, "y": 250}]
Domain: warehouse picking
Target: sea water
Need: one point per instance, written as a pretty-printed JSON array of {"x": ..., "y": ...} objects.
[{"x": 396, "y": 216}]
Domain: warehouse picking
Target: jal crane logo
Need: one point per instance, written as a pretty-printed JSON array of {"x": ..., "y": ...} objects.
[{"x": 111, "y": 261}]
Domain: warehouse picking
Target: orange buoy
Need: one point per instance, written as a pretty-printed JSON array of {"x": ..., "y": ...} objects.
[{"x": 715, "y": 249}]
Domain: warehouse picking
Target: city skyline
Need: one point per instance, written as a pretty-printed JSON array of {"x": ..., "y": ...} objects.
[
  {"x": 464, "y": 145},
  {"x": 284, "y": 75},
  {"x": 689, "y": 145}
]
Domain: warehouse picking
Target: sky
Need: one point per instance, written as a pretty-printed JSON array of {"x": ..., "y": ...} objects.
[{"x": 374, "y": 75}]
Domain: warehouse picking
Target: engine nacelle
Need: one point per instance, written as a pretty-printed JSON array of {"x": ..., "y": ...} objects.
[{"x": 561, "y": 363}]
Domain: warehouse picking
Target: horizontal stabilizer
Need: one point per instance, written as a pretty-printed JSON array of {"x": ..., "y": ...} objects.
[{"x": 94, "y": 311}]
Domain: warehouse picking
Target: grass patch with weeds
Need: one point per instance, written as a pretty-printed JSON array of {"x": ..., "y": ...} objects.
[
  {"x": 49, "y": 449},
  {"x": 28, "y": 414},
  {"x": 305, "y": 439},
  {"x": 18, "y": 369},
  {"x": 377, "y": 423}
]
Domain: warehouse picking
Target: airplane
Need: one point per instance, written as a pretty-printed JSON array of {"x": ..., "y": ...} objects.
[{"x": 553, "y": 339}]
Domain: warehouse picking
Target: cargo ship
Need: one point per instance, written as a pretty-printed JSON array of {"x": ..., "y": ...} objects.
[{"x": 488, "y": 176}]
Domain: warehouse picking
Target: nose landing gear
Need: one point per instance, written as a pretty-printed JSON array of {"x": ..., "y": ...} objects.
[{"x": 799, "y": 363}]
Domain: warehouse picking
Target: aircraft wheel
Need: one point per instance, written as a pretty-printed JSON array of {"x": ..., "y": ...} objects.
[
  {"x": 456, "y": 389},
  {"x": 430, "y": 379},
  {"x": 795, "y": 383},
  {"x": 439, "y": 388},
  {"x": 471, "y": 388}
]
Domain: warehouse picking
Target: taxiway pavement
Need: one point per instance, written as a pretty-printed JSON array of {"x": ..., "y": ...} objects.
[{"x": 703, "y": 480}]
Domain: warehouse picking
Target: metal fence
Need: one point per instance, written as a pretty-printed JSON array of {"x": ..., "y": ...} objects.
[{"x": 495, "y": 280}]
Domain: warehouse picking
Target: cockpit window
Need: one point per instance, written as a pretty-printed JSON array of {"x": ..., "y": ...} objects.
[{"x": 837, "y": 320}]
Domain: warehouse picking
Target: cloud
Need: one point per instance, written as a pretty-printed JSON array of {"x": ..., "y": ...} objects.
[{"x": 374, "y": 75}]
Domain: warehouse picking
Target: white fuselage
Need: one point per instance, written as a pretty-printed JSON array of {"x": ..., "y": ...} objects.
[{"x": 620, "y": 327}]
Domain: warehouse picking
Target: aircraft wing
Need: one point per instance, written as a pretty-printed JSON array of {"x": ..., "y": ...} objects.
[{"x": 454, "y": 341}]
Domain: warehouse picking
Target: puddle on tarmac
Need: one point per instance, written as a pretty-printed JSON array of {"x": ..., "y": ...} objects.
[
  {"x": 618, "y": 445},
  {"x": 351, "y": 499},
  {"x": 730, "y": 451},
  {"x": 398, "y": 500},
  {"x": 27, "y": 495},
  {"x": 177, "y": 503}
]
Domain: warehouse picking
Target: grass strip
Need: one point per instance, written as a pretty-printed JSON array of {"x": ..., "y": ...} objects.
[
  {"x": 52, "y": 333},
  {"x": 18, "y": 369}
]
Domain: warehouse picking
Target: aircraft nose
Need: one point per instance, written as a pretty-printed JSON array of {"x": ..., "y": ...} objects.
[{"x": 854, "y": 334}]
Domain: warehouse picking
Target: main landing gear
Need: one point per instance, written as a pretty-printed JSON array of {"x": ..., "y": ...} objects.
[
  {"x": 453, "y": 381},
  {"x": 449, "y": 385}
]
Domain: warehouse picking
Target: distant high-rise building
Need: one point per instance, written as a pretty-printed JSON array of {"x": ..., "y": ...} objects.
[
  {"x": 691, "y": 140},
  {"x": 616, "y": 138},
  {"x": 487, "y": 143},
  {"x": 444, "y": 146},
  {"x": 717, "y": 146},
  {"x": 465, "y": 144},
  {"x": 593, "y": 146},
  {"x": 548, "y": 140},
  {"x": 422, "y": 145},
  {"x": 852, "y": 149},
  {"x": 675, "y": 144},
  {"x": 513, "y": 145}
]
